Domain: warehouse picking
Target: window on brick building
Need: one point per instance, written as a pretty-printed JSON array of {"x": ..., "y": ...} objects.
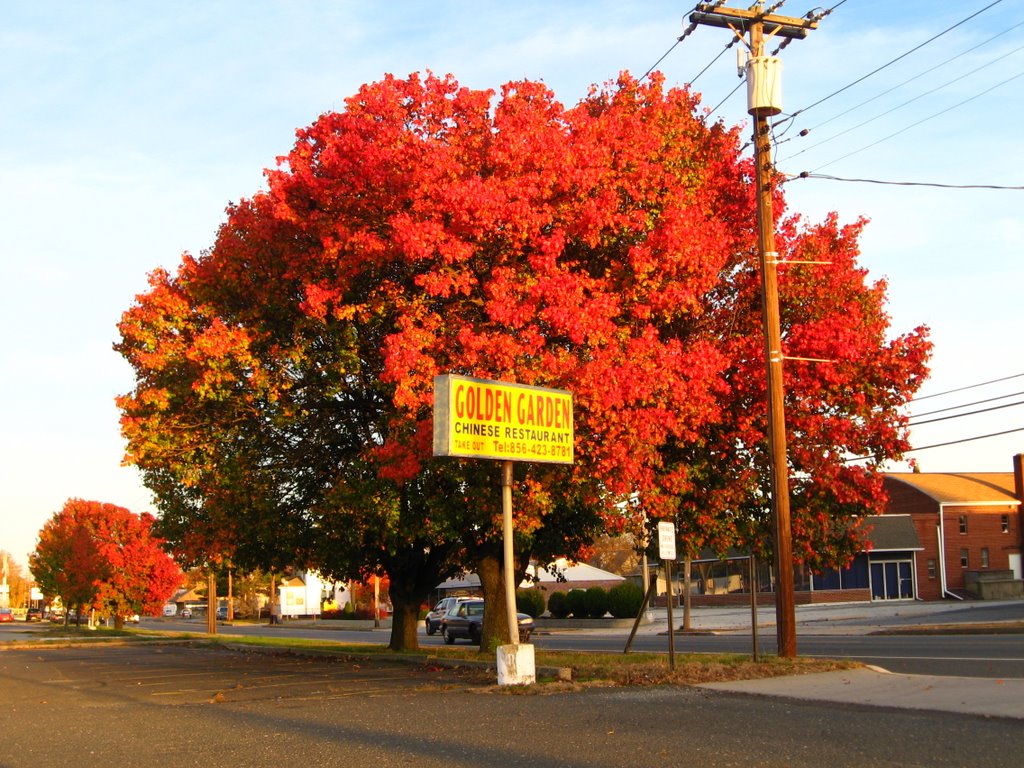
[
  {"x": 964, "y": 559},
  {"x": 1005, "y": 522},
  {"x": 963, "y": 523},
  {"x": 984, "y": 557},
  {"x": 931, "y": 569}
]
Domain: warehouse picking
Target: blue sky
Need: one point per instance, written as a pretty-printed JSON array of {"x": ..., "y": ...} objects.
[{"x": 127, "y": 127}]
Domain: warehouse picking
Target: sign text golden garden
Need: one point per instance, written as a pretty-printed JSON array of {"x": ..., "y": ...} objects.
[{"x": 477, "y": 418}]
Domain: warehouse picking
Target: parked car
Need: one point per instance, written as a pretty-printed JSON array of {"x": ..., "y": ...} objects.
[
  {"x": 6, "y": 615},
  {"x": 34, "y": 614},
  {"x": 435, "y": 616},
  {"x": 466, "y": 620},
  {"x": 186, "y": 613},
  {"x": 78, "y": 618}
]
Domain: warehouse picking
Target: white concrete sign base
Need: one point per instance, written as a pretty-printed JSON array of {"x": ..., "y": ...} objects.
[{"x": 516, "y": 665}]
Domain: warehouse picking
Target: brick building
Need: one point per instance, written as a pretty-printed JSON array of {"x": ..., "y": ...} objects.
[
  {"x": 941, "y": 535},
  {"x": 969, "y": 525},
  {"x": 885, "y": 572}
]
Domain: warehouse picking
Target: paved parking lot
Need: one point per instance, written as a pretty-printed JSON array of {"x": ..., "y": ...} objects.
[
  {"x": 186, "y": 674},
  {"x": 180, "y": 705}
]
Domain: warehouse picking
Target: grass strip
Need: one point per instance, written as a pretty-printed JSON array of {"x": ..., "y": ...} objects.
[{"x": 587, "y": 667}]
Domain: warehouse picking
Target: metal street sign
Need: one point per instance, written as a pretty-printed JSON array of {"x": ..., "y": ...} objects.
[
  {"x": 482, "y": 419},
  {"x": 667, "y": 540}
]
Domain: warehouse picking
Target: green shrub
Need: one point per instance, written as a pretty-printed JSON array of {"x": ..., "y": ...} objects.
[
  {"x": 575, "y": 600},
  {"x": 558, "y": 605},
  {"x": 530, "y": 601},
  {"x": 624, "y": 600},
  {"x": 595, "y": 602}
]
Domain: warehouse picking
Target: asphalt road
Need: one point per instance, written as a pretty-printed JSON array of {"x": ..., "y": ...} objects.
[
  {"x": 958, "y": 655},
  {"x": 971, "y": 655},
  {"x": 180, "y": 706}
]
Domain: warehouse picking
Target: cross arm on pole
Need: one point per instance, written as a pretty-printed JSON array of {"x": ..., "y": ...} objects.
[{"x": 742, "y": 19}]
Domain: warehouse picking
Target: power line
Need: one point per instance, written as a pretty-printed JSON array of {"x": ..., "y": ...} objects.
[
  {"x": 969, "y": 386},
  {"x": 672, "y": 47},
  {"x": 969, "y": 413},
  {"x": 943, "y": 445},
  {"x": 890, "y": 63},
  {"x": 910, "y": 80},
  {"x": 715, "y": 108},
  {"x": 809, "y": 15},
  {"x": 708, "y": 66},
  {"x": 966, "y": 405},
  {"x": 809, "y": 175},
  {"x": 965, "y": 440},
  {"x": 663, "y": 56},
  {"x": 899, "y": 106},
  {"x": 923, "y": 120}
]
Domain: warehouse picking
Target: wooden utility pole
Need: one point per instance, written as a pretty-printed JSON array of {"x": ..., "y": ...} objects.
[
  {"x": 758, "y": 24},
  {"x": 211, "y": 602}
]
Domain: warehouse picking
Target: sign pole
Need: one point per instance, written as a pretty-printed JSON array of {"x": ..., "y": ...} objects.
[
  {"x": 506, "y": 525},
  {"x": 671, "y": 623},
  {"x": 667, "y": 553},
  {"x": 753, "y": 602}
]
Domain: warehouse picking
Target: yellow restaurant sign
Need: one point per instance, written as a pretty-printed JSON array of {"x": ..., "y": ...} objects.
[{"x": 476, "y": 418}]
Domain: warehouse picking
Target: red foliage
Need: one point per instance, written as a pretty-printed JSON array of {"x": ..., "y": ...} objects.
[
  {"x": 605, "y": 249},
  {"x": 102, "y": 556}
]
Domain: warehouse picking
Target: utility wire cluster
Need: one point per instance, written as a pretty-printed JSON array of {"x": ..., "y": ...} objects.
[
  {"x": 959, "y": 411},
  {"x": 786, "y": 122},
  {"x": 919, "y": 77}
]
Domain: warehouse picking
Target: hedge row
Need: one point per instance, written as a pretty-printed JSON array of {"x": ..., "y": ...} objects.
[{"x": 622, "y": 601}]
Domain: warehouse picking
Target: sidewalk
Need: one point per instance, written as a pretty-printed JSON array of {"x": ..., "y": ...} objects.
[
  {"x": 871, "y": 686},
  {"x": 835, "y": 618}
]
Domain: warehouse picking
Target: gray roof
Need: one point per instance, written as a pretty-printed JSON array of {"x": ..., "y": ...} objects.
[{"x": 890, "y": 533}]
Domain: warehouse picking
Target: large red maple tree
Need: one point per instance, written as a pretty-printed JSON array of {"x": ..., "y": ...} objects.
[{"x": 284, "y": 378}]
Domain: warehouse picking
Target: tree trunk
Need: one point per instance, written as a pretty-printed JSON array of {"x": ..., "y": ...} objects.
[
  {"x": 408, "y": 592},
  {"x": 405, "y": 621},
  {"x": 413, "y": 572},
  {"x": 492, "y": 582}
]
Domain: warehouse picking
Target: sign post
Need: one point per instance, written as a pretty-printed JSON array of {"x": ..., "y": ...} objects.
[
  {"x": 508, "y": 553},
  {"x": 482, "y": 419},
  {"x": 667, "y": 553}
]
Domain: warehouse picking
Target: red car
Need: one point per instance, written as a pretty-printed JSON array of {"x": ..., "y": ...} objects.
[{"x": 6, "y": 615}]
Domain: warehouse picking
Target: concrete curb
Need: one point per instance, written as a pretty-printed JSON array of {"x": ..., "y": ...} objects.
[{"x": 550, "y": 624}]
